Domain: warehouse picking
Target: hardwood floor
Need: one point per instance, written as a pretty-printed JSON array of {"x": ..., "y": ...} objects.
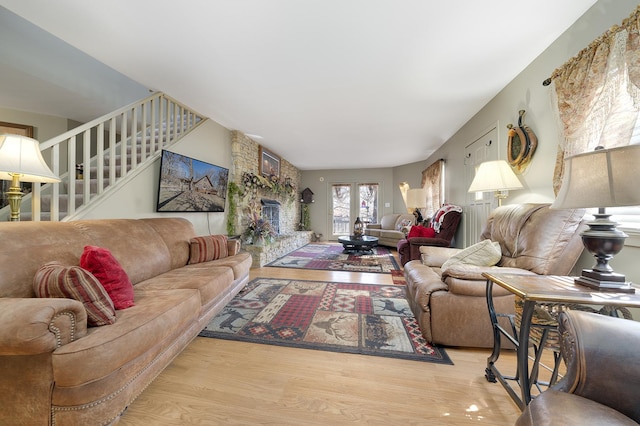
[{"x": 219, "y": 382}]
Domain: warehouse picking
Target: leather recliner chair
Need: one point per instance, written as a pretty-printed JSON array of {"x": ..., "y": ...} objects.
[
  {"x": 602, "y": 381},
  {"x": 451, "y": 308},
  {"x": 409, "y": 248}
]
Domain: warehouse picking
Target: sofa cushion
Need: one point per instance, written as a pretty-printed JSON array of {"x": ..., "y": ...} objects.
[
  {"x": 106, "y": 268},
  {"x": 484, "y": 253},
  {"x": 207, "y": 248},
  {"x": 54, "y": 279},
  {"x": 141, "y": 332}
]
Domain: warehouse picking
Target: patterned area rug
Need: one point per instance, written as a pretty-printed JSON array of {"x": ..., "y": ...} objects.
[
  {"x": 331, "y": 257},
  {"x": 340, "y": 317}
]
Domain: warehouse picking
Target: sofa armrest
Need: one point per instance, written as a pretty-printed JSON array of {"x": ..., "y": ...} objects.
[
  {"x": 38, "y": 325},
  {"x": 436, "y": 256},
  {"x": 233, "y": 247},
  {"x": 601, "y": 354}
]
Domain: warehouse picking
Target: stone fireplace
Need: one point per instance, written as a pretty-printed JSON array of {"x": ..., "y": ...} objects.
[{"x": 278, "y": 206}]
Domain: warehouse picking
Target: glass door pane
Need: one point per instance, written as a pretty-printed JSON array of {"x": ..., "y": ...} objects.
[
  {"x": 341, "y": 209},
  {"x": 368, "y": 202}
]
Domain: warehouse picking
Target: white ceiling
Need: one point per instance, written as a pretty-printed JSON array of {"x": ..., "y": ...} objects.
[{"x": 328, "y": 84}]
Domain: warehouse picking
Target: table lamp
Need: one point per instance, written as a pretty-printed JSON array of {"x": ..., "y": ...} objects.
[
  {"x": 416, "y": 200},
  {"x": 21, "y": 160},
  {"x": 495, "y": 176},
  {"x": 601, "y": 178}
]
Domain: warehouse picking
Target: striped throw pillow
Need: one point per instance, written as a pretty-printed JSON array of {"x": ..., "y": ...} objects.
[
  {"x": 207, "y": 248},
  {"x": 53, "y": 279}
]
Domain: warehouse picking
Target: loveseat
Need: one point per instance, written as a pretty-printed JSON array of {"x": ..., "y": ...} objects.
[
  {"x": 602, "y": 379},
  {"x": 57, "y": 370},
  {"x": 450, "y": 302},
  {"x": 391, "y": 229}
]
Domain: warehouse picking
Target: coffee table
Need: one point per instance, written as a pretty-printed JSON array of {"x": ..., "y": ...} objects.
[{"x": 352, "y": 244}]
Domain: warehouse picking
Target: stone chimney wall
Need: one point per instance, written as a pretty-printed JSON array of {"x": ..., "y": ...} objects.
[{"x": 246, "y": 159}]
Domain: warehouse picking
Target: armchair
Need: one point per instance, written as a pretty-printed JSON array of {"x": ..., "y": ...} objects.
[
  {"x": 409, "y": 248},
  {"x": 602, "y": 381}
]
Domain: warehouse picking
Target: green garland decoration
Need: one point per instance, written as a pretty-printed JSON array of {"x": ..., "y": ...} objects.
[
  {"x": 233, "y": 190},
  {"x": 272, "y": 183}
]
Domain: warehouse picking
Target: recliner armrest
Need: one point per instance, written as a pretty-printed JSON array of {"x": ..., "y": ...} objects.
[{"x": 601, "y": 354}]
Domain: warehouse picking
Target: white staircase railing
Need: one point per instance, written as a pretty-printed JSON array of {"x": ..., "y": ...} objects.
[{"x": 99, "y": 156}]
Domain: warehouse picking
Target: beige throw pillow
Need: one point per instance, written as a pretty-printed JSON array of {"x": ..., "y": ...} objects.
[{"x": 484, "y": 253}]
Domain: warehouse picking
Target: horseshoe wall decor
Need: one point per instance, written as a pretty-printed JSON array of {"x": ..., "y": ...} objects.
[{"x": 521, "y": 145}]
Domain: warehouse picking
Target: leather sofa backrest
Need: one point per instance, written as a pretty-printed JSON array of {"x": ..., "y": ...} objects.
[
  {"x": 388, "y": 221},
  {"x": 144, "y": 248},
  {"x": 534, "y": 237}
]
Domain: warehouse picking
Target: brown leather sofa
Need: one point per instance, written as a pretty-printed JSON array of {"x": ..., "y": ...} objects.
[
  {"x": 602, "y": 381},
  {"x": 54, "y": 369},
  {"x": 451, "y": 307}
]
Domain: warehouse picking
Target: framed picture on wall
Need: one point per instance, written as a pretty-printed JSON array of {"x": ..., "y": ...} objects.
[
  {"x": 269, "y": 163},
  {"x": 14, "y": 129}
]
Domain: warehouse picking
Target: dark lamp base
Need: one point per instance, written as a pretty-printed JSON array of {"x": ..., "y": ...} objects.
[{"x": 605, "y": 281}]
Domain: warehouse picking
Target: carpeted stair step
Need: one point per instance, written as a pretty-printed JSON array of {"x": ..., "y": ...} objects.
[
  {"x": 93, "y": 185},
  {"x": 63, "y": 202}
]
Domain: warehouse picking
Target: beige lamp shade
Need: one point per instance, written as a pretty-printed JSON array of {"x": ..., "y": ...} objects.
[
  {"x": 416, "y": 198},
  {"x": 20, "y": 155},
  {"x": 601, "y": 178},
  {"x": 494, "y": 176}
]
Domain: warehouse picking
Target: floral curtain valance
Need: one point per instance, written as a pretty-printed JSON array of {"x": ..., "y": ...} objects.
[
  {"x": 597, "y": 93},
  {"x": 433, "y": 183}
]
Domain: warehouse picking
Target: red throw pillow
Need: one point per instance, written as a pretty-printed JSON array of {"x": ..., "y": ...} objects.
[
  {"x": 53, "y": 279},
  {"x": 428, "y": 232},
  {"x": 421, "y": 231},
  {"x": 101, "y": 263}
]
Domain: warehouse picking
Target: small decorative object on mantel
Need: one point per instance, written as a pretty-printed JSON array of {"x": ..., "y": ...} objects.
[
  {"x": 358, "y": 228},
  {"x": 521, "y": 145}
]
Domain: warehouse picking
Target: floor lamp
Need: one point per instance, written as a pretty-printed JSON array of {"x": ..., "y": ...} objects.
[
  {"x": 495, "y": 176},
  {"x": 21, "y": 160},
  {"x": 602, "y": 178}
]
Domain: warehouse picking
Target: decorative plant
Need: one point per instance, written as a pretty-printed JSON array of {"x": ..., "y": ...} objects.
[
  {"x": 258, "y": 228},
  {"x": 305, "y": 225},
  {"x": 233, "y": 190}
]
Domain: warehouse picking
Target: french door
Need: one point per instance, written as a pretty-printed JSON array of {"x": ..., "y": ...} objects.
[{"x": 351, "y": 200}]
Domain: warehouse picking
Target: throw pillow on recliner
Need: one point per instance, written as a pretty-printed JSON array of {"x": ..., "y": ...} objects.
[
  {"x": 421, "y": 231},
  {"x": 484, "y": 253}
]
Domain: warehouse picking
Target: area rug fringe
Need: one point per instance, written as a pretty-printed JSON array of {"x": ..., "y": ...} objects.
[{"x": 367, "y": 319}]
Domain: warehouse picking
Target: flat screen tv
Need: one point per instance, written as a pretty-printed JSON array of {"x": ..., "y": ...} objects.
[{"x": 190, "y": 185}]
